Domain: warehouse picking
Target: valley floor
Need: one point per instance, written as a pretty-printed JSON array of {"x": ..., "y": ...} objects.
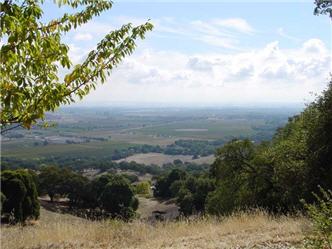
[{"x": 243, "y": 230}]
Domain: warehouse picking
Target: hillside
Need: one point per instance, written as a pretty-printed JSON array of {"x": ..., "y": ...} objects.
[{"x": 245, "y": 230}]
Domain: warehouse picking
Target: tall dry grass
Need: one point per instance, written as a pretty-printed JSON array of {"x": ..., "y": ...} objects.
[{"x": 242, "y": 230}]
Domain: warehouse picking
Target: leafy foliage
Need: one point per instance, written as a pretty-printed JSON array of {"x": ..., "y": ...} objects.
[
  {"x": 321, "y": 217},
  {"x": 2, "y": 200},
  {"x": 323, "y": 7},
  {"x": 18, "y": 196},
  {"x": 118, "y": 198},
  {"x": 191, "y": 196},
  {"x": 54, "y": 181},
  {"x": 143, "y": 188},
  {"x": 164, "y": 182},
  {"x": 189, "y": 190},
  {"x": 319, "y": 142},
  {"x": 33, "y": 51},
  {"x": 110, "y": 194},
  {"x": 276, "y": 175}
]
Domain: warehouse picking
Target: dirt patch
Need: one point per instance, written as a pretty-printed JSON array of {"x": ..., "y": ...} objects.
[
  {"x": 160, "y": 159},
  {"x": 149, "y": 208}
]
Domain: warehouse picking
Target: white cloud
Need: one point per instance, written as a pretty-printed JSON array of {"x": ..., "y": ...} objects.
[
  {"x": 282, "y": 33},
  {"x": 210, "y": 27},
  {"x": 216, "y": 32},
  {"x": 75, "y": 53},
  {"x": 83, "y": 37},
  {"x": 241, "y": 73},
  {"x": 238, "y": 24},
  {"x": 218, "y": 41},
  {"x": 314, "y": 46},
  {"x": 196, "y": 63},
  {"x": 222, "y": 33},
  {"x": 270, "y": 73}
]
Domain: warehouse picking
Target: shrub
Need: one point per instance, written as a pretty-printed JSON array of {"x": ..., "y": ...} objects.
[
  {"x": 2, "y": 200},
  {"x": 19, "y": 196},
  {"x": 320, "y": 215},
  {"x": 164, "y": 183},
  {"x": 117, "y": 198},
  {"x": 143, "y": 188},
  {"x": 131, "y": 177}
]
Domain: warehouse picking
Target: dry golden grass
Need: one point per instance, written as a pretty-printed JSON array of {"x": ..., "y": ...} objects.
[{"x": 243, "y": 230}]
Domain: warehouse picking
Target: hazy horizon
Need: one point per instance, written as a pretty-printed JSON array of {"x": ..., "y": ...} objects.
[{"x": 187, "y": 105}]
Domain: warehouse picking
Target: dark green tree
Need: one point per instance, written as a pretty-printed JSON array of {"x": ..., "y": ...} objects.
[
  {"x": 164, "y": 183},
  {"x": 186, "y": 203},
  {"x": 2, "y": 200},
  {"x": 192, "y": 194},
  {"x": 323, "y": 7},
  {"x": 118, "y": 198},
  {"x": 319, "y": 142},
  {"x": 77, "y": 186},
  {"x": 50, "y": 181},
  {"x": 20, "y": 194}
]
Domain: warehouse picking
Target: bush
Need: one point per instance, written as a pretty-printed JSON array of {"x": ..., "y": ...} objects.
[
  {"x": 117, "y": 197},
  {"x": 143, "y": 188},
  {"x": 164, "y": 183},
  {"x": 19, "y": 196},
  {"x": 320, "y": 215},
  {"x": 2, "y": 200},
  {"x": 131, "y": 177}
]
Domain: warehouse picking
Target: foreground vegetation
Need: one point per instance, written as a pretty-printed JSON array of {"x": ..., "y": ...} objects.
[{"x": 241, "y": 230}]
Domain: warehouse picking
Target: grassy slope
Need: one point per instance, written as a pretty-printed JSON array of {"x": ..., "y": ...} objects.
[{"x": 255, "y": 230}]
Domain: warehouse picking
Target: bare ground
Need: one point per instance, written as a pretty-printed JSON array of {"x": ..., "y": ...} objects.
[
  {"x": 160, "y": 159},
  {"x": 148, "y": 205}
]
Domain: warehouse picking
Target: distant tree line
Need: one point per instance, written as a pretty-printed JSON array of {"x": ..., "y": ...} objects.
[
  {"x": 102, "y": 164},
  {"x": 195, "y": 148}
]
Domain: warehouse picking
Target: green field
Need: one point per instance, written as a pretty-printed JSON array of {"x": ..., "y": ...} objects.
[
  {"x": 96, "y": 149},
  {"x": 204, "y": 129}
]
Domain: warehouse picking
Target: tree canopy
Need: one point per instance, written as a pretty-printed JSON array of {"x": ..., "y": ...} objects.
[
  {"x": 323, "y": 7},
  {"x": 18, "y": 196},
  {"x": 33, "y": 53},
  {"x": 276, "y": 175}
]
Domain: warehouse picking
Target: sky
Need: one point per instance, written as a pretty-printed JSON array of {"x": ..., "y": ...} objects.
[{"x": 211, "y": 52}]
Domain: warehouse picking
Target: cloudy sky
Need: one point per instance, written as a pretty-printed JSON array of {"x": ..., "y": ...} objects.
[{"x": 222, "y": 52}]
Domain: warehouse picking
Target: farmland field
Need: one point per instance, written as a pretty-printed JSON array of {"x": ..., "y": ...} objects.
[
  {"x": 205, "y": 129},
  {"x": 77, "y": 150},
  {"x": 99, "y": 132}
]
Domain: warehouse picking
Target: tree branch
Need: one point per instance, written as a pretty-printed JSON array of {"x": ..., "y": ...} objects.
[{"x": 10, "y": 128}]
